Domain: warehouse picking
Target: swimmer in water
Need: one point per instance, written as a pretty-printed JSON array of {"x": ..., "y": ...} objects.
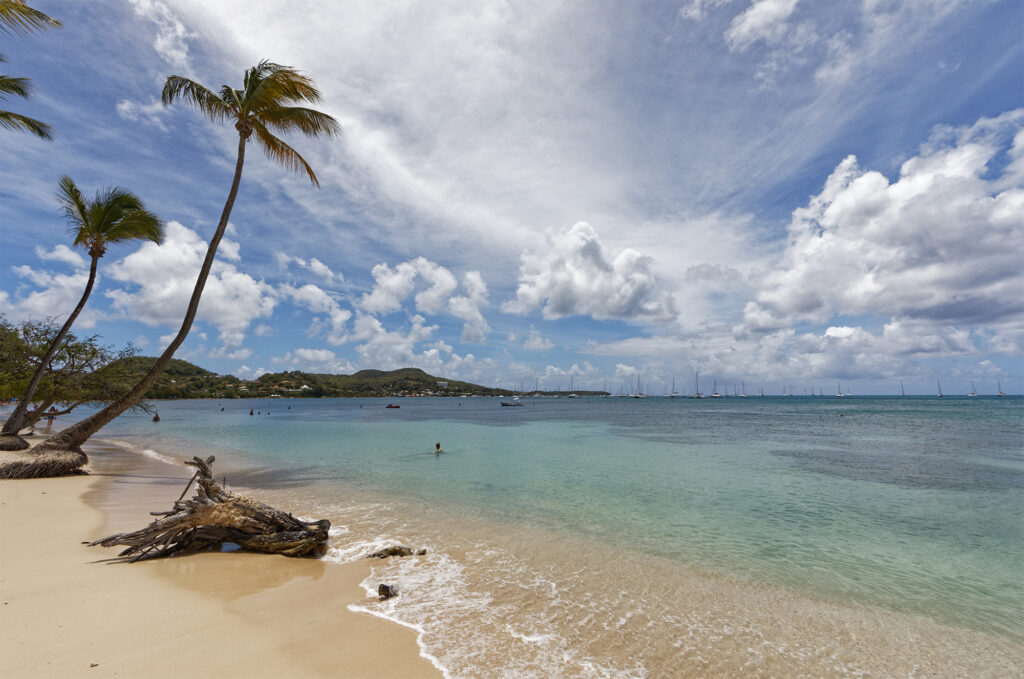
[{"x": 437, "y": 448}]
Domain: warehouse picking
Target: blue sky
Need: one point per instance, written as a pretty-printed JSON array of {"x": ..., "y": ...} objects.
[{"x": 779, "y": 193}]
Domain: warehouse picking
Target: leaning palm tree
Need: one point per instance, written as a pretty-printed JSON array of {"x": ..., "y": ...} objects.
[
  {"x": 260, "y": 108},
  {"x": 113, "y": 216}
]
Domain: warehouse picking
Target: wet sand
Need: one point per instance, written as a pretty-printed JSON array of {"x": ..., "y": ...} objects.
[{"x": 66, "y": 611}]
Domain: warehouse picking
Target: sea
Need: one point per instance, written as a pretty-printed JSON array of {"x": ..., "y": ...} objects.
[{"x": 653, "y": 537}]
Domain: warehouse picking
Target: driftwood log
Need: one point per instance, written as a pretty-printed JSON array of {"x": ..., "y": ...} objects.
[{"x": 215, "y": 516}]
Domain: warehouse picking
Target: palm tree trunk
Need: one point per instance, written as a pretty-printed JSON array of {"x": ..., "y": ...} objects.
[
  {"x": 77, "y": 434},
  {"x": 16, "y": 421}
]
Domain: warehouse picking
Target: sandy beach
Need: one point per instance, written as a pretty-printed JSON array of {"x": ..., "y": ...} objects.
[{"x": 66, "y": 612}]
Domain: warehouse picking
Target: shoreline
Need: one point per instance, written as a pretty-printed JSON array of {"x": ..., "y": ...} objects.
[{"x": 66, "y": 612}]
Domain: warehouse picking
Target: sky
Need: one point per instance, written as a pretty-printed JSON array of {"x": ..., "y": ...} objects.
[{"x": 779, "y": 194}]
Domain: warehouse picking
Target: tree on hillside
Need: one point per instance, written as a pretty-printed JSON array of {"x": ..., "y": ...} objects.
[
  {"x": 17, "y": 17},
  {"x": 258, "y": 110},
  {"x": 80, "y": 371},
  {"x": 113, "y": 216}
]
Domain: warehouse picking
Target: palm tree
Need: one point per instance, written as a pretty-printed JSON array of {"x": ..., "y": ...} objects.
[
  {"x": 17, "y": 17},
  {"x": 258, "y": 110},
  {"x": 114, "y": 216}
]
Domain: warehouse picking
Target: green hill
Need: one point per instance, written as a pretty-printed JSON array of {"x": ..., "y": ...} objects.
[{"x": 182, "y": 379}]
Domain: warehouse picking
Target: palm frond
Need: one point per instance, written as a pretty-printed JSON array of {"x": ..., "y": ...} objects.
[
  {"x": 138, "y": 224},
  {"x": 208, "y": 103},
  {"x": 16, "y": 121},
  {"x": 72, "y": 203},
  {"x": 295, "y": 118},
  {"x": 278, "y": 151},
  {"x": 17, "y": 17},
  {"x": 281, "y": 85},
  {"x": 19, "y": 87}
]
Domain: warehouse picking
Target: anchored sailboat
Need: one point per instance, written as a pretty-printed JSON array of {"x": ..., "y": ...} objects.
[{"x": 972, "y": 393}]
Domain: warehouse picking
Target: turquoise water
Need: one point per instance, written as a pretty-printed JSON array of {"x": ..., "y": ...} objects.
[{"x": 910, "y": 505}]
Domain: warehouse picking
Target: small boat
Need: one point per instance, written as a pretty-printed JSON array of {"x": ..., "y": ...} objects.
[
  {"x": 1000, "y": 388},
  {"x": 511, "y": 403},
  {"x": 939, "y": 385},
  {"x": 391, "y": 405},
  {"x": 972, "y": 392}
]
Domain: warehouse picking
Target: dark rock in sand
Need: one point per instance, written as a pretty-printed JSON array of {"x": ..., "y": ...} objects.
[
  {"x": 421, "y": 552},
  {"x": 387, "y": 591},
  {"x": 396, "y": 550}
]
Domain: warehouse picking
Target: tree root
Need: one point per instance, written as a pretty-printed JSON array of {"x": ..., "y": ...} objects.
[
  {"x": 13, "y": 442},
  {"x": 42, "y": 462},
  {"x": 215, "y": 516}
]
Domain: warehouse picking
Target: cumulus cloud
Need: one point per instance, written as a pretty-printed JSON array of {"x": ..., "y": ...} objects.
[
  {"x": 313, "y": 264},
  {"x": 535, "y": 342},
  {"x": 62, "y": 253},
  {"x": 331, "y": 315},
  {"x": 575, "y": 275},
  {"x": 158, "y": 282},
  {"x": 315, "y": 361},
  {"x": 941, "y": 244},
  {"x": 46, "y": 294},
  {"x": 467, "y": 307},
  {"x": 393, "y": 286}
]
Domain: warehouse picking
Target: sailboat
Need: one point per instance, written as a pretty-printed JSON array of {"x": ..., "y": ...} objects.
[
  {"x": 1000, "y": 388},
  {"x": 572, "y": 390},
  {"x": 939, "y": 385},
  {"x": 674, "y": 392},
  {"x": 696, "y": 388},
  {"x": 972, "y": 392},
  {"x": 839, "y": 390},
  {"x": 743, "y": 391},
  {"x": 902, "y": 393},
  {"x": 714, "y": 390}
]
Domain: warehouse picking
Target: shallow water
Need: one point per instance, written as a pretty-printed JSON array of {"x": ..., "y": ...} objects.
[{"x": 657, "y": 537}]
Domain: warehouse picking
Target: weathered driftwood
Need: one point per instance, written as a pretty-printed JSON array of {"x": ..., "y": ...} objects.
[{"x": 215, "y": 516}]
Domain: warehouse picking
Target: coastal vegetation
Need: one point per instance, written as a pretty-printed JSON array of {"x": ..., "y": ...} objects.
[
  {"x": 80, "y": 371},
  {"x": 260, "y": 108},
  {"x": 182, "y": 379},
  {"x": 113, "y": 216}
]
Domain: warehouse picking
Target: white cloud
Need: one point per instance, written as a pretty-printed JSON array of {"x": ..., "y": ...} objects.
[
  {"x": 51, "y": 295},
  {"x": 151, "y": 113},
  {"x": 263, "y": 330},
  {"x": 535, "y": 342},
  {"x": 467, "y": 307},
  {"x": 574, "y": 275},
  {"x": 247, "y": 373},
  {"x": 763, "y": 20},
  {"x": 392, "y": 287},
  {"x": 62, "y": 253},
  {"x": 698, "y": 9},
  {"x": 159, "y": 280},
  {"x": 313, "y": 264},
  {"x": 318, "y": 301},
  {"x": 171, "y": 38},
  {"x": 940, "y": 244},
  {"x": 315, "y": 361},
  {"x": 388, "y": 350}
]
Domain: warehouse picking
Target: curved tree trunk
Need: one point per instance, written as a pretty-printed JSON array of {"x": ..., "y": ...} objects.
[
  {"x": 16, "y": 421},
  {"x": 77, "y": 434}
]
